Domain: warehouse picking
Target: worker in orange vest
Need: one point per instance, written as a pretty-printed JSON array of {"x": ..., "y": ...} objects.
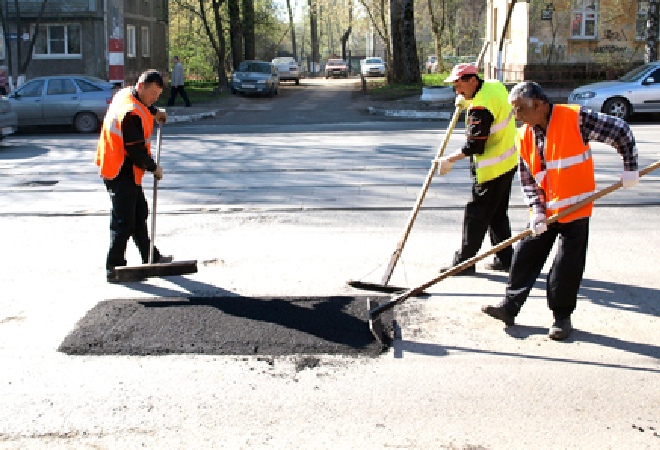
[
  {"x": 556, "y": 171},
  {"x": 123, "y": 155}
]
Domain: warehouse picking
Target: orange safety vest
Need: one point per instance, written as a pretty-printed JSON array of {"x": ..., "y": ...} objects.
[
  {"x": 569, "y": 175},
  {"x": 110, "y": 152}
]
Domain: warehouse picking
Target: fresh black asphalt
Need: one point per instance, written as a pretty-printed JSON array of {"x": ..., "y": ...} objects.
[{"x": 231, "y": 325}]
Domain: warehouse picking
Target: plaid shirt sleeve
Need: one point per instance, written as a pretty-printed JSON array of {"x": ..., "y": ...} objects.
[
  {"x": 610, "y": 130},
  {"x": 532, "y": 192}
]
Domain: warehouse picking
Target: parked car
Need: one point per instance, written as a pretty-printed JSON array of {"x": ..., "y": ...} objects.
[
  {"x": 638, "y": 91},
  {"x": 8, "y": 118},
  {"x": 432, "y": 64},
  {"x": 255, "y": 77},
  {"x": 287, "y": 69},
  {"x": 336, "y": 68},
  {"x": 78, "y": 100},
  {"x": 372, "y": 67}
]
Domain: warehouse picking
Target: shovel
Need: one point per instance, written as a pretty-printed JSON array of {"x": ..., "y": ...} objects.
[
  {"x": 375, "y": 309},
  {"x": 383, "y": 286}
]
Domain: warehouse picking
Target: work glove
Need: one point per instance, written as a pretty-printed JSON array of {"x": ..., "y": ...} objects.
[
  {"x": 629, "y": 178},
  {"x": 161, "y": 116},
  {"x": 537, "y": 224},
  {"x": 158, "y": 173},
  {"x": 460, "y": 102},
  {"x": 444, "y": 166}
]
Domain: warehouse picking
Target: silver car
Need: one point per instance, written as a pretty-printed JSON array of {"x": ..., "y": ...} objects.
[
  {"x": 8, "y": 119},
  {"x": 255, "y": 77},
  {"x": 638, "y": 91},
  {"x": 287, "y": 69},
  {"x": 78, "y": 100}
]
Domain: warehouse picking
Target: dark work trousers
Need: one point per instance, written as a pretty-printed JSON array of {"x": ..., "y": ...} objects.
[
  {"x": 487, "y": 211},
  {"x": 128, "y": 218},
  {"x": 181, "y": 92},
  {"x": 565, "y": 275}
]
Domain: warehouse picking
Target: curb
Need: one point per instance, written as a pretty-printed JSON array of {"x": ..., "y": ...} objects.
[
  {"x": 410, "y": 114},
  {"x": 192, "y": 117}
]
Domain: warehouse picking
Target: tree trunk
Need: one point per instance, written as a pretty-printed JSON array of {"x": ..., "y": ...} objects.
[
  {"x": 652, "y": 32},
  {"x": 28, "y": 59},
  {"x": 396, "y": 70},
  {"x": 347, "y": 33},
  {"x": 235, "y": 32},
  {"x": 313, "y": 34},
  {"x": 410, "y": 59},
  {"x": 248, "y": 29},
  {"x": 216, "y": 38},
  {"x": 292, "y": 28}
]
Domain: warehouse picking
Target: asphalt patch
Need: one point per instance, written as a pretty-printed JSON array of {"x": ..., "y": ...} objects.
[{"x": 231, "y": 325}]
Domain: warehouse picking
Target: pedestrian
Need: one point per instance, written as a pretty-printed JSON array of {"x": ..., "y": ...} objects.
[
  {"x": 556, "y": 171},
  {"x": 177, "y": 83},
  {"x": 123, "y": 155},
  {"x": 3, "y": 81},
  {"x": 490, "y": 132}
]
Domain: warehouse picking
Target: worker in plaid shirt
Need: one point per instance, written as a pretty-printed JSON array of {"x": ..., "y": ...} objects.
[{"x": 556, "y": 171}]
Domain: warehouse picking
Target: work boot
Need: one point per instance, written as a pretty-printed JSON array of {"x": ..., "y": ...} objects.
[
  {"x": 499, "y": 312},
  {"x": 164, "y": 259},
  {"x": 560, "y": 329},
  {"x": 498, "y": 266}
]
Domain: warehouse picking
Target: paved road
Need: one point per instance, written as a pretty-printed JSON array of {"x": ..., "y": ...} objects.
[{"x": 296, "y": 210}]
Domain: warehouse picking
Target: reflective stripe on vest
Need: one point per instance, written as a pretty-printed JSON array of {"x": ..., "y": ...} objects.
[
  {"x": 496, "y": 159},
  {"x": 568, "y": 177},
  {"x": 565, "y": 203},
  {"x": 500, "y": 154},
  {"x": 565, "y": 163},
  {"x": 502, "y": 125}
]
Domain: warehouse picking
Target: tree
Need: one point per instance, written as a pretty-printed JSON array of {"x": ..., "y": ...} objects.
[
  {"x": 347, "y": 32},
  {"x": 292, "y": 28},
  {"x": 376, "y": 11},
  {"x": 313, "y": 34},
  {"x": 411, "y": 72},
  {"x": 22, "y": 65},
  {"x": 248, "y": 29},
  {"x": 235, "y": 32}
]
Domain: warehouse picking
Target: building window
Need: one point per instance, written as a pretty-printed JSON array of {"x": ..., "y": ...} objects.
[
  {"x": 145, "y": 42},
  {"x": 130, "y": 41},
  {"x": 583, "y": 18},
  {"x": 58, "y": 41}
]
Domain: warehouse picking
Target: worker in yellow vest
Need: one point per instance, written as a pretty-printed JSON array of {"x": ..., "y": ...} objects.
[
  {"x": 490, "y": 130},
  {"x": 123, "y": 155},
  {"x": 557, "y": 171}
]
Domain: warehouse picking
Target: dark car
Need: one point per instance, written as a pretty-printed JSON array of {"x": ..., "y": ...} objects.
[
  {"x": 78, "y": 100},
  {"x": 255, "y": 77},
  {"x": 336, "y": 68}
]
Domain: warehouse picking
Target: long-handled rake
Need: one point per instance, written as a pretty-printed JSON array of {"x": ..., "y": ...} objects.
[
  {"x": 383, "y": 286},
  {"x": 375, "y": 309}
]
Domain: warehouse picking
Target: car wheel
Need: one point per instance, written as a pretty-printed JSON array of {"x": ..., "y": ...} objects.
[
  {"x": 271, "y": 92},
  {"x": 86, "y": 122},
  {"x": 617, "y": 107}
]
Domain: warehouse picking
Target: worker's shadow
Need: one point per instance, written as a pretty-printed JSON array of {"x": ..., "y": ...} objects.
[
  {"x": 188, "y": 287},
  {"x": 620, "y": 297}
]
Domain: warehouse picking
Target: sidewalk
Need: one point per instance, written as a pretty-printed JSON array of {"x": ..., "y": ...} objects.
[{"x": 408, "y": 108}]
